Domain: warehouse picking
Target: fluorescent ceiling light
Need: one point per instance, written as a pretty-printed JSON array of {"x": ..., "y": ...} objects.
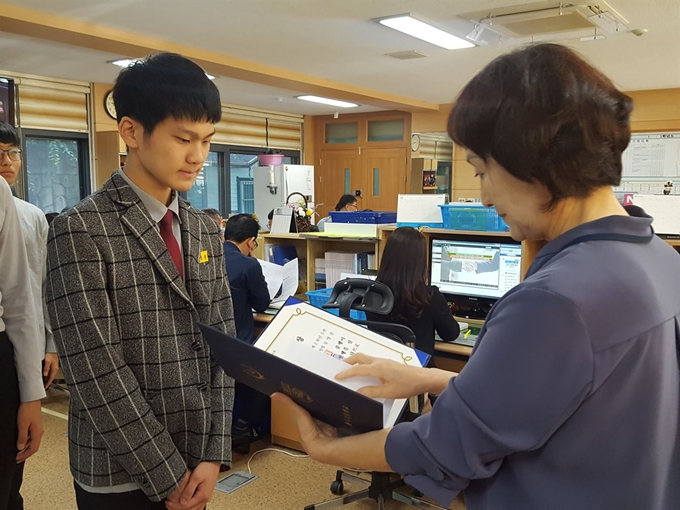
[
  {"x": 123, "y": 62},
  {"x": 127, "y": 62},
  {"x": 416, "y": 28},
  {"x": 325, "y": 100}
]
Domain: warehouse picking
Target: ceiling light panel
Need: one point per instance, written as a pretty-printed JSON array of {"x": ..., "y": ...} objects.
[
  {"x": 325, "y": 100},
  {"x": 416, "y": 28},
  {"x": 127, "y": 62}
]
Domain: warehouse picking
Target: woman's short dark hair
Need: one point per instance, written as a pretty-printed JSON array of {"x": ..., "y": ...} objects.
[
  {"x": 547, "y": 117},
  {"x": 403, "y": 268},
  {"x": 241, "y": 227},
  {"x": 165, "y": 85},
  {"x": 344, "y": 201}
]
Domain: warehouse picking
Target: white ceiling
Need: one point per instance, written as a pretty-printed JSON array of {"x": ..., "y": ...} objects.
[{"x": 334, "y": 40}]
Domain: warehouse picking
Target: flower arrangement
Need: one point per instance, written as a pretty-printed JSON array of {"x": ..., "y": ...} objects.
[{"x": 301, "y": 211}]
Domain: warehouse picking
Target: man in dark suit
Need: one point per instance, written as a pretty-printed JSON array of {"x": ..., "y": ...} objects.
[
  {"x": 250, "y": 292},
  {"x": 248, "y": 287},
  {"x": 131, "y": 270}
]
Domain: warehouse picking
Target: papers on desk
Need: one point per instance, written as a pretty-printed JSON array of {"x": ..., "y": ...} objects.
[
  {"x": 273, "y": 274},
  {"x": 282, "y": 220},
  {"x": 300, "y": 352},
  {"x": 283, "y": 278}
]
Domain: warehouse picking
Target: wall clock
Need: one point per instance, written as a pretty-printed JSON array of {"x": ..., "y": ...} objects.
[{"x": 109, "y": 106}]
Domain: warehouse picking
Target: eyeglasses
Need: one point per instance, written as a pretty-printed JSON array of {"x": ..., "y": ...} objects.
[
  {"x": 353, "y": 207},
  {"x": 13, "y": 154},
  {"x": 255, "y": 244}
]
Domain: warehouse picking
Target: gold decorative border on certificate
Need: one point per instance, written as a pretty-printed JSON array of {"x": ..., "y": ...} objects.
[{"x": 299, "y": 313}]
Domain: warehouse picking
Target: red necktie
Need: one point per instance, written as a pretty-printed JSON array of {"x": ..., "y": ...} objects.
[{"x": 171, "y": 242}]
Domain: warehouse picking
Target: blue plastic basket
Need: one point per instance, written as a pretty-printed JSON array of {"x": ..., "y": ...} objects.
[
  {"x": 320, "y": 297},
  {"x": 466, "y": 216},
  {"x": 374, "y": 217}
]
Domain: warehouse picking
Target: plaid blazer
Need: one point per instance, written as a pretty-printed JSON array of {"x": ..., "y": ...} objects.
[{"x": 147, "y": 401}]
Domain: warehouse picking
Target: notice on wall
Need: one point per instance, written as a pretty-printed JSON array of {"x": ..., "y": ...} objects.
[{"x": 652, "y": 156}]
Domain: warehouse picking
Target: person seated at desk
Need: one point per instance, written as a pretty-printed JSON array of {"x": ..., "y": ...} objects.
[
  {"x": 248, "y": 292},
  {"x": 248, "y": 287},
  {"x": 346, "y": 203},
  {"x": 417, "y": 305}
]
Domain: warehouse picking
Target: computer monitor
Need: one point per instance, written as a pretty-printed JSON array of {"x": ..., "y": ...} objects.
[
  {"x": 474, "y": 274},
  {"x": 7, "y": 100}
]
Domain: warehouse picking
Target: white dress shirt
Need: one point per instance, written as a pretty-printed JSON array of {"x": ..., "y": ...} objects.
[
  {"x": 17, "y": 311},
  {"x": 35, "y": 228}
]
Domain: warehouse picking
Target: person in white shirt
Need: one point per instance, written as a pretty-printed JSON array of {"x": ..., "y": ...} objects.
[
  {"x": 21, "y": 385},
  {"x": 34, "y": 228}
]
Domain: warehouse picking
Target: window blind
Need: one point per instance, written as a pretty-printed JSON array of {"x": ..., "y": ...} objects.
[
  {"x": 257, "y": 128},
  {"x": 52, "y": 105}
]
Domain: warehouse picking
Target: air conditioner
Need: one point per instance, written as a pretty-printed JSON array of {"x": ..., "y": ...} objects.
[{"x": 542, "y": 18}]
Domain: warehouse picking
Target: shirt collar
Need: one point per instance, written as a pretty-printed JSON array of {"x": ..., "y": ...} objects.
[
  {"x": 635, "y": 228},
  {"x": 229, "y": 246},
  {"x": 156, "y": 208}
]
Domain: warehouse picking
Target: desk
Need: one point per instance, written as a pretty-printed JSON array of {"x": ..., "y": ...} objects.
[
  {"x": 310, "y": 247},
  {"x": 264, "y": 318}
]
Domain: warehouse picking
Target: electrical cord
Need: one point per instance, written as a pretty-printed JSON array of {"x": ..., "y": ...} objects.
[{"x": 297, "y": 456}]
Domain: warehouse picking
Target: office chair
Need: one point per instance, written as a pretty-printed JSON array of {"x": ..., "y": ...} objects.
[{"x": 371, "y": 296}]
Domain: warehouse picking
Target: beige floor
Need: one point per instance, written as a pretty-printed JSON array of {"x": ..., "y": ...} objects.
[{"x": 284, "y": 482}]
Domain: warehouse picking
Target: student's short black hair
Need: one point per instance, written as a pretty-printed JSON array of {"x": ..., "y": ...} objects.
[
  {"x": 165, "y": 85},
  {"x": 9, "y": 135},
  {"x": 213, "y": 213},
  {"x": 344, "y": 200},
  {"x": 547, "y": 116},
  {"x": 241, "y": 227},
  {"x": 270, "y": 216}
]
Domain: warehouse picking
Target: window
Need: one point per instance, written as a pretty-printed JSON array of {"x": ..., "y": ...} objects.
[
  {"x": 226, "y": 181},
  {"x": 242, "y": 161},
  {"x": 246, "y": 195},
  {"x": 56, "y": 169},
  {"x": 205, "y": 193}
]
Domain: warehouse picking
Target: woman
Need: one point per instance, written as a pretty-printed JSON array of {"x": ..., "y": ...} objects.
[
  {"x": 422, "y": 308},
  {"x": 571, "y": 398},
  {"x": 346, "y": 203}
]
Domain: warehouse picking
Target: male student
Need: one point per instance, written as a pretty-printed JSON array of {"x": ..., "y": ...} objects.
[
  {"x": 21, "y": 385},
  {"x": 216, "y": 216},
  {"x": 131, "y": 270},
  {"x": 34, "y": 228}
]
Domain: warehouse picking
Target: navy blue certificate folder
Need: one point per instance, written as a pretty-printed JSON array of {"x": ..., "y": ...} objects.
[{"x": 348, "y": 411}]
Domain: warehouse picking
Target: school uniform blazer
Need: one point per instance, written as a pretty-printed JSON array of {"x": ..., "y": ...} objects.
[{"x": 147, "y": 401}]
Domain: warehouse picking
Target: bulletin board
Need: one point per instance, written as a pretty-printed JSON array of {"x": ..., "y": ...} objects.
[{"x": 652, "y": 156}]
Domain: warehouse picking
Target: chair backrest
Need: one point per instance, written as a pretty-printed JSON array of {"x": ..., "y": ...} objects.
[
  {"x": 376, "y": 297},
  {"x": 369, "y": 296}
]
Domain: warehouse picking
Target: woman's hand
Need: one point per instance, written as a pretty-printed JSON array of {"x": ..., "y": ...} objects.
[
  {"x": 320, "y": 441},
  {"x": 314, "y": 435},
  {"x": 397, "y": 379}
]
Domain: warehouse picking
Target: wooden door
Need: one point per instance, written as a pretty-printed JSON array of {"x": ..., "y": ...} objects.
[
  {"x": 336, "y": 175},
  {"x": 384, "y": 174}
]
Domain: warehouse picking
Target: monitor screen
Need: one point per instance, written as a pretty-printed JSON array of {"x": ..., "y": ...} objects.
[
  {"x": 7, "y": 101},
  {"x": 477, "y": 269}
]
